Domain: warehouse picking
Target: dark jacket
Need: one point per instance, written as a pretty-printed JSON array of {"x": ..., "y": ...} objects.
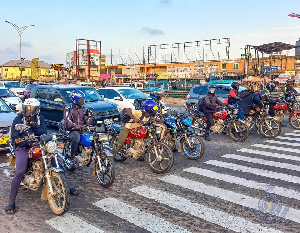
[
  {"x": 77, "y": 115},
  {"x": 210, "y": 102},
  {"x": 38, "y": 128},
  {"x": 288, "y": 90},
  {"x": 249, "y": 102}
]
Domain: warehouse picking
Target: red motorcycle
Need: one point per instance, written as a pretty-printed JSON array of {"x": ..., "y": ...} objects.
[
  {"x": 294, "y": 117},
  {"x": 143, "y": 140}
]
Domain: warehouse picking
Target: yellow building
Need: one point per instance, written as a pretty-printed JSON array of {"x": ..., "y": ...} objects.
[{"x": 16, "y": 69}]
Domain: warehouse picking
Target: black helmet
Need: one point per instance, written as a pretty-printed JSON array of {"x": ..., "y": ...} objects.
[
  {"x": 235, "y": 85},
  {"x": 270, "y": 86},
  {"x": 211, "y": 89},
  {"x": 263, "y": 94},
  {"x": 289, "y": 82}
]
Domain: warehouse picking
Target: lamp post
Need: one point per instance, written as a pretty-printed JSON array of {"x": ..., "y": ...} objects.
[{"x": 20, "y": 31}]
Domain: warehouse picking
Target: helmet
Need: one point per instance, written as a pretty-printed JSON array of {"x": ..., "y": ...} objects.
[
  {"x": 76, "y": 95},
  {"x": 211, "y": 89},
  {"x": 150, "y": 106},
  {"x": 289, "y": 82},
  {"x": 235, "y": 85},
  {"x": 263, "y": 94},
  {"x": 270, "y": 86},
  {"x": 31, "y": 107},
  {"x": 156, "y": 93}
]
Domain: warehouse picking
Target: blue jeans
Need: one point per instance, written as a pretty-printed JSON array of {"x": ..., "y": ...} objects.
[{"x": 240, "y": 114}]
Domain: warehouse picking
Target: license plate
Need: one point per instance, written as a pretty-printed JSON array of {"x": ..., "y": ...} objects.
[{"x": 4, "y": 140}]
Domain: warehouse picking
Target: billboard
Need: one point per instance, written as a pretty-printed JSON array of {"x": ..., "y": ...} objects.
[
  {"x": 35, "y": 73},
  {"x": 83, "y": 58}
]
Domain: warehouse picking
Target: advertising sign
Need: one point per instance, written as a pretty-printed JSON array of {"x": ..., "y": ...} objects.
[
  {"x": 284, "y": 77},
  {"x": 35, "y": 73},
  {"x": 297, "y": 78},
  {"x": 290, "y": 72}
]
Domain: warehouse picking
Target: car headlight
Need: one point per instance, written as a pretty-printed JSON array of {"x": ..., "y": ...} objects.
[{"x": 51, "y": 147}]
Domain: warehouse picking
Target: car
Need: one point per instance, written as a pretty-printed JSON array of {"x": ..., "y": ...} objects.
[
  {"x": 6, "y": 119},
  {"x": 29, "y": 88},
  {"x": 15, "y": 86},
  {"x": 197, "y": 92},
  {"x": 9, "y": 97},
  {"x": 54, "y": 98}
]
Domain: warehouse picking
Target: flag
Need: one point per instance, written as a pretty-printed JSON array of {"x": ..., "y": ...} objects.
[{"x": 293, "y": 15}]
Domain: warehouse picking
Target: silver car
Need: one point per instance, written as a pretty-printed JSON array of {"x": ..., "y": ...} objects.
[{"x": 6, "y": 119}]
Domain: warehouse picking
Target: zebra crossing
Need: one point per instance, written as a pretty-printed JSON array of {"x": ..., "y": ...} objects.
[{"x": 230, "y": 169}]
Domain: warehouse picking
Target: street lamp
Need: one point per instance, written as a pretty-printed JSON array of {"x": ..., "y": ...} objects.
[{"x": 20, "y": 31}]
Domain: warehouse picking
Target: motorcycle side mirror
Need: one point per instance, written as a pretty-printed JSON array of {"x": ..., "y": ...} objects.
[{"x": 21, "y": 127}]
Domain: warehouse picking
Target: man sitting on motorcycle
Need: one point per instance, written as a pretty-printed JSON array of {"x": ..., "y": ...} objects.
[
  {"x": 287, "y": 90},
  {"x": 156, "y": 94},
  {"x": 233, "y": 93},
  {"x": 270, "y": 87},
  {"x": 76, "y": 117},
  {"x": 132, "y": 119},
  {"x": 30, "y": 117}
]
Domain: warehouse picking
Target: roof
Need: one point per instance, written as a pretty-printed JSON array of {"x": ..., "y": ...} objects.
[
  {"x": 25, "y": 63},
  {"x": 61, "y": 86},
  {"x": 275, "y": 47}
]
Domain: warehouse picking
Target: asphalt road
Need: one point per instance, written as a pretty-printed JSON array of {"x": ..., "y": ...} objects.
[{"x": 220, "y": 192}]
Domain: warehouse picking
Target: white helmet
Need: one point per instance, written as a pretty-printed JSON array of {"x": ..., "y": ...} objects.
[
  {"x": 19, "y": 108},
  {"x": 31, "y": 107}
]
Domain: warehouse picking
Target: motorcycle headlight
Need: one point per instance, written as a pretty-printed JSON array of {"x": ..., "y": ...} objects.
[{"x": 51, "y": 147}]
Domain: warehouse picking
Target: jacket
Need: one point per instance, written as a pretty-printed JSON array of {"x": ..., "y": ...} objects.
[
  {"x": 249, "y": 102},
  {"x": 77, "y": 115},
  {"x": 287, "y": 90},
  {"x": 210, "y": 102}
]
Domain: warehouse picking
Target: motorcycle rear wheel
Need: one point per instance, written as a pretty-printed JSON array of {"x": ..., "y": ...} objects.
[
  {"x": 106, "y": 177},
  {"x": 119, "y": 157},
  {"x": 270, "y": 128},
  {"x": 295, "y": 121},
  {"x": 192, "y": 152},
  {"x": 60, "y": 200},
  {"x": 160, "y": 158},
  {"x": 239, "y": 133}
]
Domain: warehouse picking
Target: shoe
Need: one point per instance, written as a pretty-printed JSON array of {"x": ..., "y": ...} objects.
[{"x": 207, "y": 137}]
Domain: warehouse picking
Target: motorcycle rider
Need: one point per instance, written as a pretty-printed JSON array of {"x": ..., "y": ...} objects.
[
  {"x": 211, "y": 104},
  {"x": 30, "y": 117},
  {"x": 233, "y": 93},
  {"x": 288, "y": 89},
  {"x": 133, "y": 119},
  {"x": 270, "y": 87}
]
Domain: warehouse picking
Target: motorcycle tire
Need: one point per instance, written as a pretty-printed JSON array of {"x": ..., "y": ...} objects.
[
  {"x": 158, "y": 149},
  {"x": 243, "y": 133},
  {"x": 188, "y": 150},
  {"x": 60, "y": 205},
  {"x": 109, "y": 172},
  {"x": 270, "y": 125},
  {"x": 119, "y": 157},
  {"x": 295, "y": 120}
]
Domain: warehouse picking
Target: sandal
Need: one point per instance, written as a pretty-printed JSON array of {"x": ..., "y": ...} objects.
[
  {"x": 10, "y": 209},
  {"x": 74, "y": 191}
]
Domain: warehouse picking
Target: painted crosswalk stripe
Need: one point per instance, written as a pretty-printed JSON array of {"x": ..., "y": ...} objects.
[
  {"x": 292, "y": 134},
  {"x": 277, "y": 148},
  {"x": 283, "y": 143},
  {"x": 256, "y": 171},
  {"x": 69, "y": 223},
  {"x": 289, "y": 138},
  {"x": 139, "y": 218},
  {"x": 262, "y": 161},
  {"x": 220, "y": 218},
  {"x": 244, "y": 182},
  {"x": 227, "y": 195},
  {"x": 270, "y": 154},
  {"x": 296, "y": 131}
]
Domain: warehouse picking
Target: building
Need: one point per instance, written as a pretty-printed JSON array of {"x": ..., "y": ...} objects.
[{"x": 17, "y": 69}]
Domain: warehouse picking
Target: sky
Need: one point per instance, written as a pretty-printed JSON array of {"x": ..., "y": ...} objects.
[{"x": 130, "y": 24}]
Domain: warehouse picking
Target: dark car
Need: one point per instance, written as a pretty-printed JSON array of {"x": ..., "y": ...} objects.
[
  {"x": 54, "y": 98},
  {"x": 197, "y": 92},
  {"x": 30, "y": 87}
]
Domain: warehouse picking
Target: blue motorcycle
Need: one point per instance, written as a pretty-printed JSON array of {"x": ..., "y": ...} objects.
[{"x": 180, "y": 132}]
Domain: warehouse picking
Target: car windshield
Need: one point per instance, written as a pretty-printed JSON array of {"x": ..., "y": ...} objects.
[
  {"x": 6, "y": 93},
  {"x": 4, "y": 107},
  {"x": 132, "y": 94},
  {"x": 91, "y": 95},
  {"x": 13, "y": 85}
]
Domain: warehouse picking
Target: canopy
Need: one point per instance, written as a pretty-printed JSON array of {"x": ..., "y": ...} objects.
[{"x": 275, "y": 47}]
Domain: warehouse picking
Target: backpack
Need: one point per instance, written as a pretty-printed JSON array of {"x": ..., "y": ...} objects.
[
  {"x": 245, "y": 93},
  {"x": 200, "y": 104}
]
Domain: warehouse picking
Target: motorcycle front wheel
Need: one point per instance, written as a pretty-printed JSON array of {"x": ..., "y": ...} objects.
[
  {"x": 295, "y": 120},
  {"x": 238, "y": 131},
  {"x": 270, "y": 128},
  {"x": 105, "y": 171},
  {"x": 59, "y": 201},
  {"x": 193, "y": 147},
  {"x": 160, "y": 158}
]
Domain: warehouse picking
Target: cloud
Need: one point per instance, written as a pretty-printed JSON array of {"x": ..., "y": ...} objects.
[
  {"x": 152, "y": 31},
  {"x": 26, "y": 44}
]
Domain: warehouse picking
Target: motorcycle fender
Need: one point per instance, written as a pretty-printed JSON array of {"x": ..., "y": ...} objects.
[{"x": 294, "y": 113}]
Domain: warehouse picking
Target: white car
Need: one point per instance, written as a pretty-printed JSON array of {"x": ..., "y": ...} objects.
[
  {"x": 15, "y": 86},
  {"x": 9, "y": 97},
  {"x": 6, "y": 119}
]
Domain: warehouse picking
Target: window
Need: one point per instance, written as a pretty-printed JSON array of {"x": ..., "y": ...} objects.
[
  {"x": 197, "y": 90},
  {"x": 224, "y": 66},
  {"x": 236, "y": 66},
  {"x": 132, "y": 94},
  {"x": 102, "y": 92},
  {"x": 112, "y": 94},
  {"x": 55, "y": 94},
  {"x": 42, "y": 93}
]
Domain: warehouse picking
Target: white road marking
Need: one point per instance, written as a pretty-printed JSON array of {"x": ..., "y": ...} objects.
[
  {"x": 244, "y": 182},
  {"x": 296, "y": 131},
  {"x": 292, "y": 134},
  {"x": 226, "y": 195},
  {"x": 256, "y": 171},
  {"x": 270, "y": 154},
  {"x": 139, "y": 218},
  {"x": 282, "y": 143},
  {"x": 277, "y": 148},
  {"x": 69, "y": 223},
  {"x": 262, "y": 161},
  {"x": 289, "y": 139},
  {"x": 218, "y": 217}
]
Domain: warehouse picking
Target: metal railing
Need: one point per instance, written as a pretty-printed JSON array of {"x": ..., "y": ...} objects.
[{"x": 171, "y": 93}]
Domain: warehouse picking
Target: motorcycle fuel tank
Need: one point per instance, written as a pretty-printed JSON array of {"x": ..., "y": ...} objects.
[
  {"x": 86, "y": 139},
  {"x": 138, "y": 133},
  {"x": 220, "y": 115}
]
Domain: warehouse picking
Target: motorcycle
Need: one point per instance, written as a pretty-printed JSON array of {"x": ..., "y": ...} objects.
[
  {"x": 224, "y": 121},
  {"x": 280, "y": 108},
  {"x": 144, "y": 140},
  {"x": 94, "y": 148},
  {"x": 43, "y": 170},
  {"x": 180, "y": 130},
  {"x": 268, "y": 126}
]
